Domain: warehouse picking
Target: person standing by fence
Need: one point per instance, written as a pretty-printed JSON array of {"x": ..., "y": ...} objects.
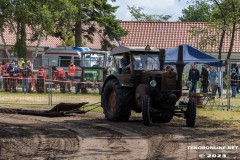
[
  {"x": 71, "y": 73},
  {"x": 213, "y": 79},
  {"x": 234, "y": 82},
  {"x": 26, "y": 73},
  {"x": 238, "y": 73},
  {"x": 194, "y": 78},
  {"x": 1, "y": 78},
  {"x": 219, "y": 82},
  {"x": 13, "y": 73},
  {"x": 204, "y": 78}
]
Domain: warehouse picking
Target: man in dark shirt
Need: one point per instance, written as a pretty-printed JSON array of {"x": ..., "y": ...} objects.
[
  {"x": 26, "y": 73},
  {"x": 125, "y": 63},
  {"x": 204, "y": 78},
  {"x": 13, "y": 73},
  {"x": 234, "y": 82},
  {"x": 194, "y": 78}
]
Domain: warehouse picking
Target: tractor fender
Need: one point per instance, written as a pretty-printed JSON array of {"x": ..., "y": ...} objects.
[{"x": 107, "y": 79}]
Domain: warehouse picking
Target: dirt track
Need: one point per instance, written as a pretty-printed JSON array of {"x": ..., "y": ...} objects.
[{"x": 90, "y": 136}]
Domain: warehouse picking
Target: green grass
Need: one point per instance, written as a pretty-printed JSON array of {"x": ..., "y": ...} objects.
[{"x": 223, "y": 116}]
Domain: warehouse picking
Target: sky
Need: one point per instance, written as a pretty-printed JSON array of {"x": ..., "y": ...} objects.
[{"x": 158, "y": 7}]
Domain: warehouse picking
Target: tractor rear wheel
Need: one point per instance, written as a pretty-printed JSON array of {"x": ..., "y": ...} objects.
[
  {"x": 116, "y": 101},
  {"x": 62, "y": 87},
  {"x": 84, "y": 90},
  {"x": 146, "y": 110},
  {"x": 190, "y": 113}
]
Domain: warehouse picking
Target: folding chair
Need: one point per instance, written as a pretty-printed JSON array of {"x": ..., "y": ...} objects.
[{"x": 210, "y": 98}]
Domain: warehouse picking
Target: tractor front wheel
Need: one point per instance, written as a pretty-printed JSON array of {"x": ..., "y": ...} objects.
[
  {"x": 116, "y": 101},
  {"x": 190, "y": 114},
  {"x": 146, "y": 110}
]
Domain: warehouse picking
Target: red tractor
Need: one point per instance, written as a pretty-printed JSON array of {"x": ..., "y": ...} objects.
[
  {"x": 59, "y": 76},
  {"x": 41, "y": 75}
]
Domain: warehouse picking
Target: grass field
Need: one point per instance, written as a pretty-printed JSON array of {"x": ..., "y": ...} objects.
[
  {"x": 36, "y": 100},
  {"x": 230, "y": 117}
]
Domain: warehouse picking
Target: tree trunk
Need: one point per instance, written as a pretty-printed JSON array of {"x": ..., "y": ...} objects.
[
  {"x": 5, "y": 45},
  {"x": 232, "y": 40},
  {"x": 37, "y": 47},
  {"x": 78, "y": 34},
  {"x": 221, "y": 44},
  {"x": 224, "y": 29},
  {"x": 20, "y": 45}
]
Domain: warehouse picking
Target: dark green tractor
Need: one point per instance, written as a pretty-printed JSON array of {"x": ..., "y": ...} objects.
[{"x": 93, "y": 65}]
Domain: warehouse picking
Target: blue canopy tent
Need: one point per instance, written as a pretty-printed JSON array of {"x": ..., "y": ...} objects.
[{"x": 191, "y": 55}]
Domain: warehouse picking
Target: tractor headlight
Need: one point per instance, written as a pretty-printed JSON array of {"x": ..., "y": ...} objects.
[{"x": 153, "y": 83}]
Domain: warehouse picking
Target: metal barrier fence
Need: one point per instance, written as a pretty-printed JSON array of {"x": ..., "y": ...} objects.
[
  {"x": 47, "y": 89},
  {"x": 44, "y": 86}
]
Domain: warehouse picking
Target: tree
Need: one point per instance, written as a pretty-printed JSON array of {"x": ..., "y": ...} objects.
[
  {"x": 65, "y": 19},
  {"x": 38, "y": 16},
  {"x": 226, "y": 18},
  {"x": 224, "y": 21},
  {"x": 92, "y": 17},
  {"x": 198, "y": 12},
  {"x": 3, "y": 19},
  {"x": 138, "y": 15}
]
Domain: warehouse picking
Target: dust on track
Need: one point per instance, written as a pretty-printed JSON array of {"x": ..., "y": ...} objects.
[{"x": 90, "y": 136}]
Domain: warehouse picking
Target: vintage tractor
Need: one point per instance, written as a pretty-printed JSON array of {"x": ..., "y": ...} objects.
[
  {"x": 59, "y": 76},
  {"x": 41, "y": 76},
  {"x": 93, "y": 65},
  {"x": 146, "y": 87}
]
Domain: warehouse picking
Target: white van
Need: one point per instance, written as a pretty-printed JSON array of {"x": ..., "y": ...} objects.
[{"x": 62, "y": 56}]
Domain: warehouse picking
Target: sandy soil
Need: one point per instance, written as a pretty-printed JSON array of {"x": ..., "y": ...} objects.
[{"x": 90, "y": 136}]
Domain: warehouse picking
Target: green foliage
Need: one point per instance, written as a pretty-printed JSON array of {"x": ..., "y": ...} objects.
[
  {"x": 138, "y": 15},
  {"x": 200, "y": 11},
  {"x": 223, "y": 22},
  {"x": 66, "y": 19}
]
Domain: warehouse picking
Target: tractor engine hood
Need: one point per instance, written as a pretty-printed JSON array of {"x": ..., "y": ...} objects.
[{"x": 162, "y": 80}]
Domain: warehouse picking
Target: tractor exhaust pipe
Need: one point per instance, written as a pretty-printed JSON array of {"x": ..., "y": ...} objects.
[
  {"x": 180, "y": 66},
  {"x": 162, "y": 56}
]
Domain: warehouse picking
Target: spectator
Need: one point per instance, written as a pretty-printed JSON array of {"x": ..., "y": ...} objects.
[
  {"x": 213, "y": 79},
  {"x": 30, "y": 65},
  {"x": 204, "y": 78},
  {"x": 234, "y": 82},
  {"x": 194, "y": 78},
  {"x": 1, "y": 79},
  {"x": 113, "y": 68},
  {"x": 13, "y": 73},
  {"x": 125, "y": 63},
  {"x": 219, "y": 84},
  {"x": 71, "y": 72},
  {"x": 26, "y": 73},
  {"x": 5, "y": 75},
  {"x": 21, "y": 63},
  {"x": 238, "y": 73}
]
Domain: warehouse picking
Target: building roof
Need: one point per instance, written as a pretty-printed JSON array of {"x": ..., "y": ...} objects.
[
  {"x": 171, "y": 34},
  {"x": 164, "y": 35},
  {"x": 49, "y": 41}
]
